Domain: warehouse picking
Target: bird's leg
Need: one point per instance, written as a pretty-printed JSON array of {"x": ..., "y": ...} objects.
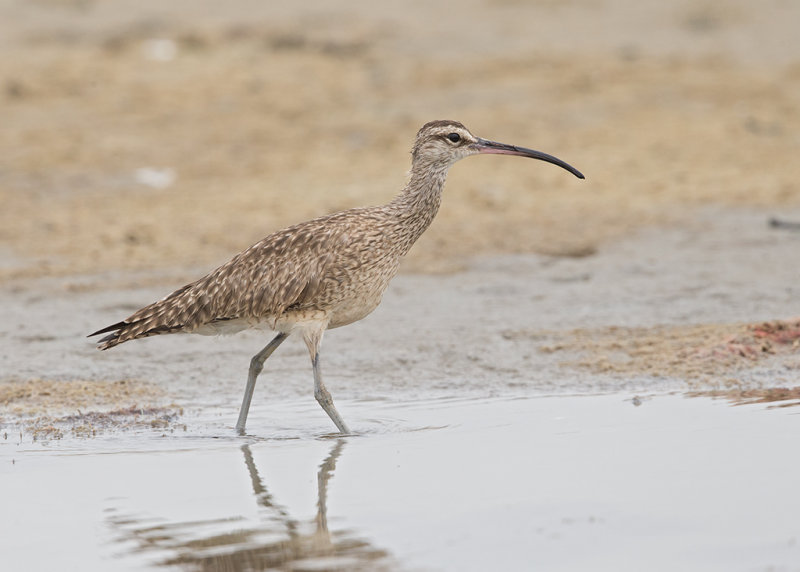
[
  {"x": 256, "y": 365},
  {"x": 323, "y": 397},
  {"x": 321, "y": 393}
]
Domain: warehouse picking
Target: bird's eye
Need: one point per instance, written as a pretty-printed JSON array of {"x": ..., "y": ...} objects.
[{"x": 454, "y": 137}]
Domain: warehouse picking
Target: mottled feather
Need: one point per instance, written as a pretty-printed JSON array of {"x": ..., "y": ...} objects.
[
  {"x": 307, "y": 266},
  {"x": 331, "y": 270}
]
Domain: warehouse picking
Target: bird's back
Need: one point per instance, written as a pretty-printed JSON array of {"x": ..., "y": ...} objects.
[{"x": 338, "y": 266}]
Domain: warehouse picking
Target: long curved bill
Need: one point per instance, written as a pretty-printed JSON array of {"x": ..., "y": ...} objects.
[{"x": 486, "y": 146}]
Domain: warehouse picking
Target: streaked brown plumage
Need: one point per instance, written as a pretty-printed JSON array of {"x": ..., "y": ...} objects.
[{"x": 319, "y": 274}]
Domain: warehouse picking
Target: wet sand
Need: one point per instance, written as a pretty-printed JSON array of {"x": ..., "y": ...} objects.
[
  {"x": 668, "y": 309},
  {"x": 520, "y": 398}
]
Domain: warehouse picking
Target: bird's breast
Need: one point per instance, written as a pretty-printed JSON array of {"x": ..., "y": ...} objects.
[{"x": 356, "y": 295}]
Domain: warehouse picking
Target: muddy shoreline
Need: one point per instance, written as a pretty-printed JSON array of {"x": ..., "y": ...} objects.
[{"x": 518, "y": 325}]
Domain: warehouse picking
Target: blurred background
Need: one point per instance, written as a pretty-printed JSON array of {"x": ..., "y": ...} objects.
[{"x": 140, "y": 134}]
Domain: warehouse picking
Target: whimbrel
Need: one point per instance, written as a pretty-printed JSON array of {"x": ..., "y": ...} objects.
[{"x": 324, "y": 273}]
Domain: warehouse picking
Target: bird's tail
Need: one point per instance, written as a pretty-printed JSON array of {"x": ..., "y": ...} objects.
[
  {"x": 113, "y": 338},
  {"x": 162, "y": 317},
  {"x": 130, "y": 330}
]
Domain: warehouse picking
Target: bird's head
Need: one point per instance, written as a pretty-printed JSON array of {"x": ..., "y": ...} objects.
[{"x": 441, "y": 143}]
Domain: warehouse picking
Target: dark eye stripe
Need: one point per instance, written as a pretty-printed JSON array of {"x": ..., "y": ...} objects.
[{"x": 454, "y": 137}]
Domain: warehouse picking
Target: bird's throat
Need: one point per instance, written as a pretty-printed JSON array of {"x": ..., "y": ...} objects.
[{"x": 417, "y": 205}]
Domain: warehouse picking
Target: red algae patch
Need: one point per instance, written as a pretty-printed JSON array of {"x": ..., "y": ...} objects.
[
  {"x": 779, "y": 332},
  {"x": 692, "y": 352}
]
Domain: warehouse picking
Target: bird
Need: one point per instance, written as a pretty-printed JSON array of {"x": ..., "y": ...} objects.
[{"x": 320, "y": 274}]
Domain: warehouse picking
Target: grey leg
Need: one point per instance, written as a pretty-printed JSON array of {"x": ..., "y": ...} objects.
[
  {"x": 256, "y": 365},
  {"x": 323, "y": 396}
]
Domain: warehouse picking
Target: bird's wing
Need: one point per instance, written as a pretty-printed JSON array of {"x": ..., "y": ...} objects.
[{"x": 284, "y": 270}]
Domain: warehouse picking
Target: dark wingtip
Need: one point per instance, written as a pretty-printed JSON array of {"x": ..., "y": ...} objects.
[
  {"x": 111, "y": 328},
  {"x": 109, "y": 341}
]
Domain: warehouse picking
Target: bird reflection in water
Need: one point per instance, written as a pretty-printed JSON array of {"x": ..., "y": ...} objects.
[{"x": 277, "y": 542}]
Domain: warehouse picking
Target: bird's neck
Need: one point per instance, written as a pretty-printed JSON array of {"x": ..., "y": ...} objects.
[{"x": 417, "y": 204}]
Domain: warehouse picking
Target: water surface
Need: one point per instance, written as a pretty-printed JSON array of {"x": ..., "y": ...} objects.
[{"x": 558, "y": 483}]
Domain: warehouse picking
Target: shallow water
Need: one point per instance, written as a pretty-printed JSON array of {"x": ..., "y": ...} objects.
[{"x": 558, "y": 483}]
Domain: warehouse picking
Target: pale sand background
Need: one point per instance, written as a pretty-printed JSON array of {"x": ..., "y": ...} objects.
[{"x": 267, "y": 115}]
